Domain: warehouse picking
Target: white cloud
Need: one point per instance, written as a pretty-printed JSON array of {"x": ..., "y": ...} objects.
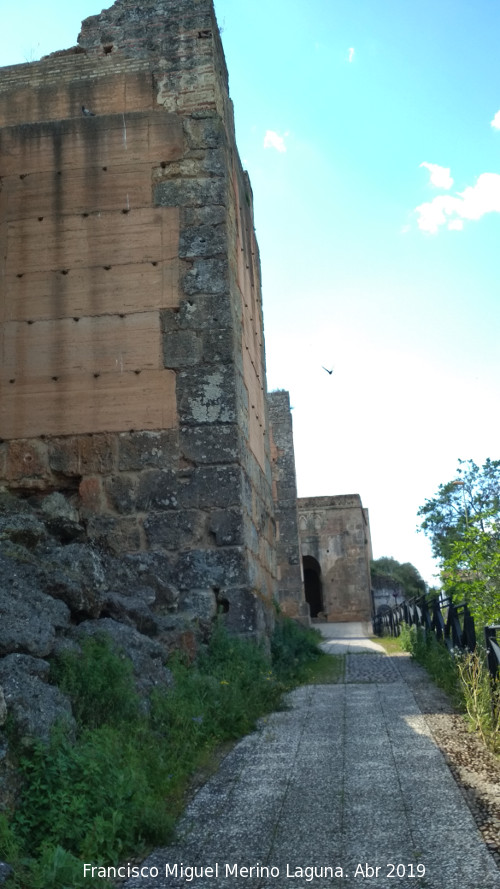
[
  {"x": 440, "y": 176},
  {"x": 474, "y": 202},
  {"x": 351, "y": 53},
  {"x": 274, "y": 140},
  {"x": 495, "y": 123}
]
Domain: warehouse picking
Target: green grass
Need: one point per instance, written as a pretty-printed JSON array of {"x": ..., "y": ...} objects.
[
  {"x": 116, "y": 790},
  {"x": 390, "y": 644}
]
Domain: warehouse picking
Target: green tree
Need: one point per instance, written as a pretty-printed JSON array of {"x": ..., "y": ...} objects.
[
  {"x": 402, "y": 577},
  {"x": 463, "y": 523},
  {"x": 465, "y": 501}
]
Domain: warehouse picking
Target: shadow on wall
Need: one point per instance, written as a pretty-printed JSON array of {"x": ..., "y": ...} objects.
[{"x": 313, "y": 585}]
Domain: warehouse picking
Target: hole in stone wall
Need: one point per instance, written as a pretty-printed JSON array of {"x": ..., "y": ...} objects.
[
  {"x": 107, "y": 49},
  {"x": 105, "y": 168}
]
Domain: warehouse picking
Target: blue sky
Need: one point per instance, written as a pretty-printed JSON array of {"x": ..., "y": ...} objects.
[{"x": 368, "y": 129}]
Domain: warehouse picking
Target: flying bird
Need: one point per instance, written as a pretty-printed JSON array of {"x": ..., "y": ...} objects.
[
  {"x": 328, "y": 371},
  {"x": 86, "y": 112}
]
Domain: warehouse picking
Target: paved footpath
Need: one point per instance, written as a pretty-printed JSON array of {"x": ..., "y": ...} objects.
[{"x": 346, "y": 788}]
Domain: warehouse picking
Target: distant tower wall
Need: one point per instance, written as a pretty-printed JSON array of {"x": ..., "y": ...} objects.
[
  {"x": 132, "y": 375},
  {"x": 336, "y": 550},
  {"x": 290, "y": 579}
]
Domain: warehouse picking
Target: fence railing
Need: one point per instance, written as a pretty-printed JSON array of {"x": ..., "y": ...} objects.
[{"x": 451, "y": 624}]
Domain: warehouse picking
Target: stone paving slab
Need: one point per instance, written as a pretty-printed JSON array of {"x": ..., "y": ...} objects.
[{"x": 346, "y": 788}]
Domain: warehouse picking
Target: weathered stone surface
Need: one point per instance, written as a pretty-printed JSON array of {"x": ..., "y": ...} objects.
[
  {"x": 27, "y": 464},
  {"x": 207, "y": 276},
  {"x": 182, "y": 348},
  {"x": 199, "y": 192},
  {"x": 214, "y": 444},
  {"x": 210, "y": 486},
  {"x": 23, "y": 529},
  {"x": 155, "y": 570},
  {"x": 207, "y": 396},
  {"x": 75, "y": 574},
  {"x": 132, "y": 610},
  {"x": 29, "y": 619},
  {"x": 206, "y": 568},
  {"x": 227, "y": 527},
  {"x": 174, "y": 530},
  {"x": 5, "y": 871},
  {"x": 147, "y": 656},
  {"x": 157, "y": 490},
  {"x": 34, "y": 705},
  {"x": 116, "y": 535},
  {"x": 3, "y": 707},
  {"x": 80, "y": 455},
  {"x": 199, "y": 604},
  {"x": 204, "y": 133},
  {"x": 140, "y": 450},
  {"x": 202, "y": 240}
]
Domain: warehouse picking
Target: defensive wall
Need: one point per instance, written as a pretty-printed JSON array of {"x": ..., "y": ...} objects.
[
  {"x": 132, "y": 373},
  {"x": 132, "y": 369}
]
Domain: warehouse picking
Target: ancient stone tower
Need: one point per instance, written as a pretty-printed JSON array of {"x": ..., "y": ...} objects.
[{"x": 132, "y": 372}]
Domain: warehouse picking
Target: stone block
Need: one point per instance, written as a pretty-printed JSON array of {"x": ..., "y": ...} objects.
[
  {"x": 157, "y": 490},
  {"x": 198, "y": 192},
  {"x": 202, "y": 313},
  {"x": 80, "y": 455},
  {"x": 30, "y": 618},
  {"x": 175, "y": 530},
  {"x": 91, "y": 494},
  {"x": 121, "y": 492},
  {"x": 34, "y": 705},
  {"x": 208, "y": 487},
  {"x": 206, "y": 276},
  {"x": 200, "y": 604},
  {"x": 117, "y": 535},
  {"x": 243, "y": 614},
  {"x": 211, "y": 214},
  {"x": 210, "y": 444},
  {"x": 181, "y": 348},
  {"x": 204, "y": 133},
  {"x": 138, "y": 450},
  {"x": 209, "y": 568},
  {"x": 206, "y": 395},
  {"x": 219, "y": 345},
  {"x": 202, "y": 241},
  {"x": 27, "y": 463},
  {"x": 227, "y": 527}
]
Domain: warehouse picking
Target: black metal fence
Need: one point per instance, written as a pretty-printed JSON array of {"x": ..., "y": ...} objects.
[{"x": 451, "y": 624}]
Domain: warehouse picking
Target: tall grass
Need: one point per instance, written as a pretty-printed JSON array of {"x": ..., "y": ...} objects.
[
  {"x": 465, "y": 678},
  {"x": 116, "y": 791}
]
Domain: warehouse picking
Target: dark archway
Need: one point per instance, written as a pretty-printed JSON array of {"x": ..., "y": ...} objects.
[{"x": 313, "y": 585}]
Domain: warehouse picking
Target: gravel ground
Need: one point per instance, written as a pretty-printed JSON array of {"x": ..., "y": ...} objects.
[{"x": 475, "y": 769}]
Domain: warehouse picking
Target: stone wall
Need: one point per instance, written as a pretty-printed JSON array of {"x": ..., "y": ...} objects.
[
  {"x": 132, "y": 377},
  {"x": 290, "y": 579},
  {"x": 336, "y": 550}
]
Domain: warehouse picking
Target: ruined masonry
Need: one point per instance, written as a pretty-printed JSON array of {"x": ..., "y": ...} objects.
[{"x": 133, "y": 403}]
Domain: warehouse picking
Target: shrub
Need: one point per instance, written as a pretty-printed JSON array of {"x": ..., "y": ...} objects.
[{"x": 116, "y": 791}]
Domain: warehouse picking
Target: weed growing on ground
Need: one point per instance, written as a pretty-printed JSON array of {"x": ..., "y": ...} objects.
[
  {"x": 435, "y": 657},
  {"x": 115, "y": 791},
  {"x": 465, "y": 678}
]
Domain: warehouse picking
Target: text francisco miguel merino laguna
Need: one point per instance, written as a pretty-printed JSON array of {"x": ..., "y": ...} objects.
[{"x": 192, "y": 872}]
